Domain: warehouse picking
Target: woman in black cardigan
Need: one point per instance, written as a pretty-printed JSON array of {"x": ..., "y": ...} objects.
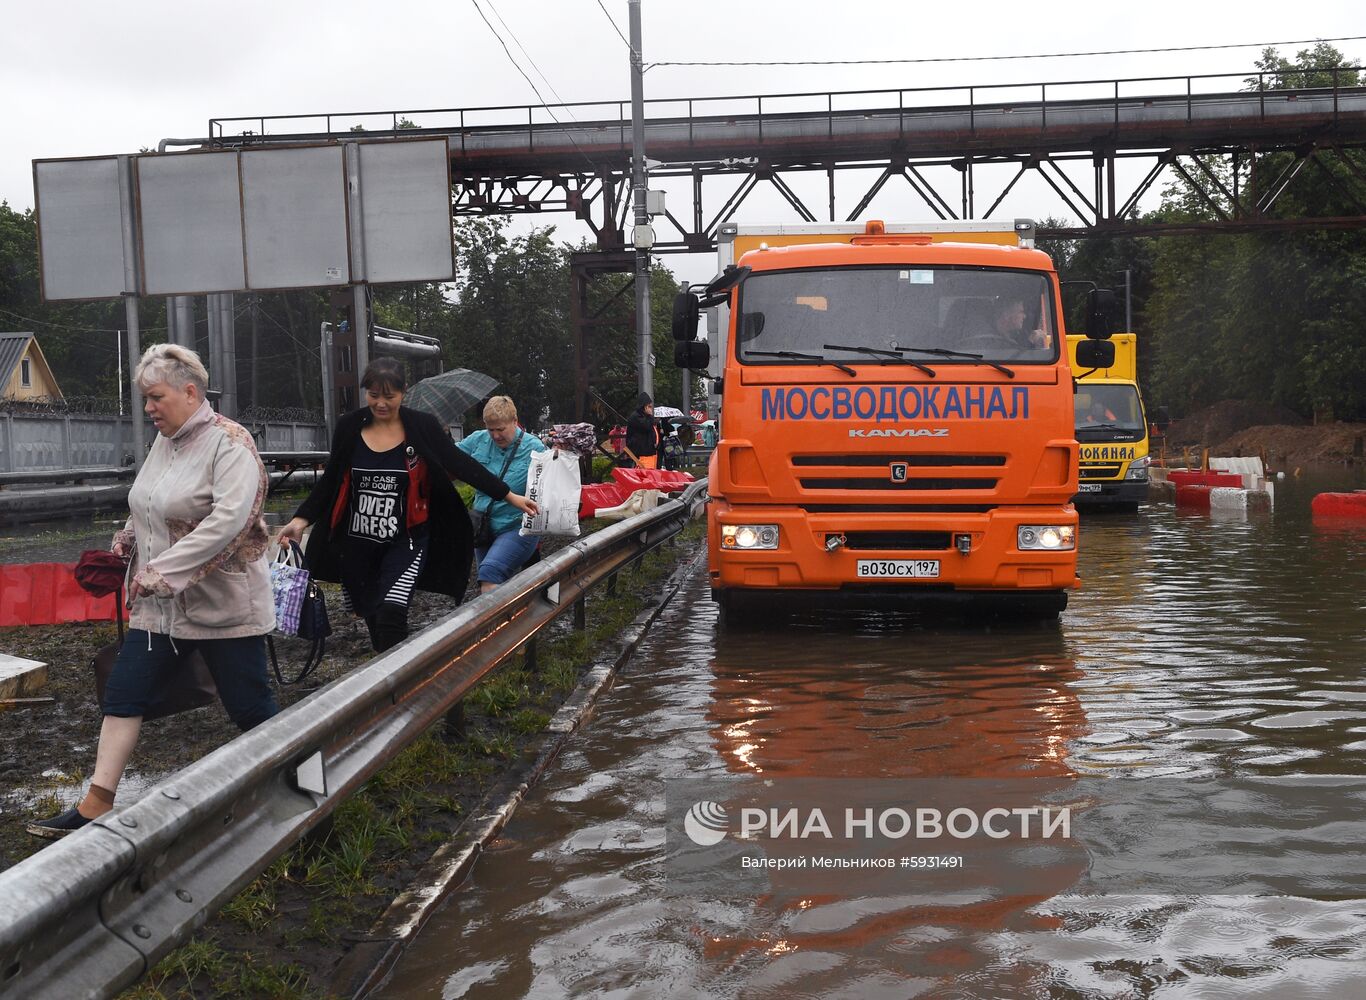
[{"x": 385, "y": 516}]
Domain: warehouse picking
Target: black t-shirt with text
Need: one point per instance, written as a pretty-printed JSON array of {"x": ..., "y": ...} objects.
[{"x": 376, "y": 509}]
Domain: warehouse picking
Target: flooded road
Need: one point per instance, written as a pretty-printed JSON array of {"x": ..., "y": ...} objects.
[{"x": 1199, "y": 649}]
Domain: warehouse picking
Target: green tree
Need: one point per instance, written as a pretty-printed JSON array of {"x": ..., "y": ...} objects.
[
  {"x": 510, "y": 319},
  {"x": 1271, "y": 316}
]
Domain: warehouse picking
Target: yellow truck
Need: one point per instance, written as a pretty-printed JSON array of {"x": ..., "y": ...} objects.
[{"x": 1112, "y": 429}]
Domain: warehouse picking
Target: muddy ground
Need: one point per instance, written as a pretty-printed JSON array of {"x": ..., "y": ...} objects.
[
  {"x": 1286, "y": 440},
  {"x": 47, "y": 752}
]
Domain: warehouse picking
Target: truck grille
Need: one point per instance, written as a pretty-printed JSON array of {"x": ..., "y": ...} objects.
[
  {"x": 886, "y": 485},
  {"x": 912, "y": 461},
  {"x": 898, "y": 508},
  {"x": 898, "y": 540},
  {"x": 1102, "y": 470}
]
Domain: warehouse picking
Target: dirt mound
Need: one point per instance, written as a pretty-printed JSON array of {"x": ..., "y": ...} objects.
[
  {"x": 1221, "y": 421},
  {"x": 1292, "y": 447}
]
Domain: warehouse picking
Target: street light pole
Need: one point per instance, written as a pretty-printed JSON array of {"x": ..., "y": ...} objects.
[{"x": 642, "y": 237}]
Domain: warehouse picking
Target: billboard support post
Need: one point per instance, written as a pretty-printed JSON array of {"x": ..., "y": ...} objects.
[{"x": 130, "y": 304}]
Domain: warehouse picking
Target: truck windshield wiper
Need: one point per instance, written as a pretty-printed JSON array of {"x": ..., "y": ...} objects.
[
  {"x": 799, "y": 356},
  {"x": 881, "y": 352},
  {"x": 946, "y": 353},
  {"x": 1104, "y": 427}
]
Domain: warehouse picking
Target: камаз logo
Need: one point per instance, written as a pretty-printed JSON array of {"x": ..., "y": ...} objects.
[{"x": 706, "y": 824}]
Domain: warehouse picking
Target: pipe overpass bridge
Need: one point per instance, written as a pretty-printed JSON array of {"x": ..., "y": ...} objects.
[{"x": 961, "y": 150}]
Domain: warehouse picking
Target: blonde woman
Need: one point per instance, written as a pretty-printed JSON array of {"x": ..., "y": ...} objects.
[
  {"x": 197, "y": 575},
  {"x": 505, "y": 450}
]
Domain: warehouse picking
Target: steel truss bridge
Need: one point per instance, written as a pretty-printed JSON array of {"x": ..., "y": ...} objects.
[{"x": 960, "y": 150}]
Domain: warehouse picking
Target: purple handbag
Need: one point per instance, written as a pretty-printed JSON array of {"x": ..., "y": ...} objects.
[{"x": 289, "y": 585}]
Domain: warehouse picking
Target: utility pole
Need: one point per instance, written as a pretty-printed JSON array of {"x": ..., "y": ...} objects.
[{"x": 642, "y": 236}]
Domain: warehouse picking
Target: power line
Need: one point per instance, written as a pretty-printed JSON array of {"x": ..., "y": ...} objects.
[
  {"x": 513, "y": 35},
  {"x": 312, "y": 351},
  {"x": 74, "y": 329},
  {"x": 1039, "y": 55},
  {"x": 517, "y": 66},
  {"x": 608, "y": 14}
]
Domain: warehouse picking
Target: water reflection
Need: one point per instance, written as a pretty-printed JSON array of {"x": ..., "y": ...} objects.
[
  {"x": 905, "y": 699},
  {"x": 1198, "y": 647}
]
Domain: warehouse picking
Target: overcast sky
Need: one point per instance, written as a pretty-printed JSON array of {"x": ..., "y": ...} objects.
[{"x": 83, "y": 78}]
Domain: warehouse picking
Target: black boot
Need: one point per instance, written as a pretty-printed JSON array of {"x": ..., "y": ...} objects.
[{"x": 388, "y": 627}]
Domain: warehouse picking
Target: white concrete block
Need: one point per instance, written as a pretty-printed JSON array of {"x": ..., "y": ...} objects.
[
  {"x": 21, "y": 678},
  {"x": 1227, "y": 498}
]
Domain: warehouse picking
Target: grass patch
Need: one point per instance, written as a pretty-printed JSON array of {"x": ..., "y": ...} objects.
[{"x": 188, "y": 970}]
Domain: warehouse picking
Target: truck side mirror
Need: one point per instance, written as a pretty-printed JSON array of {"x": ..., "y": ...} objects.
[
  {"x": 694, "y": 354},
  {"x": 1095, "y": 354},
  {"x": 685, "y": 316},
  {"x": 1100, "y": 311}
]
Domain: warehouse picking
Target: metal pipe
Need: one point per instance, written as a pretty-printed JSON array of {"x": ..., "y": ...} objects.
[
  {"x": 161, "y": 146},
  {"x": 227, "y": 355},
  {"x": 130, "y": 305}
]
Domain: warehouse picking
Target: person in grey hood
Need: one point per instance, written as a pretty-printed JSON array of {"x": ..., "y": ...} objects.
[{"x": 197, "y": 576}]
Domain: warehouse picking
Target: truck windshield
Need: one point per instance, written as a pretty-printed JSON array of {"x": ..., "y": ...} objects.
[
  {"x": 1107, "y": 408},
  {"x": 987, "y": 315}
]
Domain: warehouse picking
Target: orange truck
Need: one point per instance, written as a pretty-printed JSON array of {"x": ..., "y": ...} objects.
[{"x": 896, "y": 416}]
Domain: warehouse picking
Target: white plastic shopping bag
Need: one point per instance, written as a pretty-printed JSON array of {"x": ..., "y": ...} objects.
[{"x": 553, "y": 483}]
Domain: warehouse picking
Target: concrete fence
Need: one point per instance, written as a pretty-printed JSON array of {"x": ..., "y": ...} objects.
[{"x": 57, "y": 442}]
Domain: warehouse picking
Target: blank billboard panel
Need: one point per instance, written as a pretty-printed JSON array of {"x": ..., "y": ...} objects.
[
  {"x": 80, "y": 228},
  {"x": 406, "y": 210},
  {"x": 190, "y": 216},
  {"x": 294, "y": 210}
]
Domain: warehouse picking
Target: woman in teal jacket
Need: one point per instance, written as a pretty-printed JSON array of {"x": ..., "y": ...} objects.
[{"x": 505, "y": 450}]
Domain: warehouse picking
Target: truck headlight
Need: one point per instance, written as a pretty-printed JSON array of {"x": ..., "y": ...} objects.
[
  {"x": 749, "y": 536},
  {"x": 1048, "y": 537},
  {"x": 1138, "y": 468}
]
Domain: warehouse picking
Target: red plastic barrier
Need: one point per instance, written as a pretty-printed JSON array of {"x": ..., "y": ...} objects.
[
  {"x": 1184, "y": 477},
  {"x": 595, "y": 496},
  {"x": 1339, "y": 504},
  {"x": 47, "y": 594},
  {"x": 1195, "y": 496},
  {"x": 651, "y": 479}
]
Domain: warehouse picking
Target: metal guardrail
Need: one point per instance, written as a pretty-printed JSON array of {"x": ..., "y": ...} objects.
[{"x": 93, "y": 913}]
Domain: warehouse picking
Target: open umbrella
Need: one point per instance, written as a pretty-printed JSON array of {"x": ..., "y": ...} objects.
[
  {"x": 447, "y": 396},
  {"x": 667, "y": 411}
]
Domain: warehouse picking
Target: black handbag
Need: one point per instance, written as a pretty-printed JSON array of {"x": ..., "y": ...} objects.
[
  {"x": 190, "y": 686},
  {"x": 479, "y": 519},
  {"x": 483, "y": 528},
  {"x": 314, "y": 627}
]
